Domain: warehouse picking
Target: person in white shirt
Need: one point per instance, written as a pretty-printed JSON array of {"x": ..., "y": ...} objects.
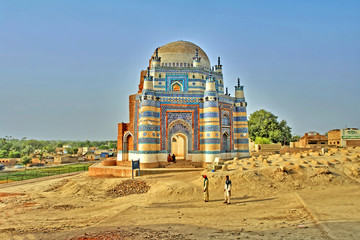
[
  {"x": 227, "y": 190},
  {"x": 206, "y": 188}
]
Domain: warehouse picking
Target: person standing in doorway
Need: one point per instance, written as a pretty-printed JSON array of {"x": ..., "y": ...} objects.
[
  {"x": 173, "y": 158},
  {"x": 169, "y": 158},
  {"x": 206, "y": 188},
  {"x": 227, "y": 190}
]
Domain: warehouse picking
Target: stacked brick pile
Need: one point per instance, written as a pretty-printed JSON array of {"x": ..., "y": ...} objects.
[{"x": 128, "y": 187}]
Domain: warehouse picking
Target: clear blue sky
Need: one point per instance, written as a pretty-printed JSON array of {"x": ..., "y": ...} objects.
[{"x": 67, "y": 67}]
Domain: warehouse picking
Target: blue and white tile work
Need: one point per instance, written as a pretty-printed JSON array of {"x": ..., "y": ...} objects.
[{"x": 181, "y": 108}]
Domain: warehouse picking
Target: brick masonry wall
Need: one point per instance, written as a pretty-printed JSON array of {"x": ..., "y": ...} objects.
[{"x": 334, "y": 137}]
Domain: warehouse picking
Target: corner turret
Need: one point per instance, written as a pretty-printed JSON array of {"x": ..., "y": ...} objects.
[
  {"x": 155, "y": 60},
  {"x": 210, "y": 84},
  {"x": 239, "y": 91},
  {"x": 148, "y": 81},
  {"x": 218, "y": 67},
  {"x": 197, "y": 59}
]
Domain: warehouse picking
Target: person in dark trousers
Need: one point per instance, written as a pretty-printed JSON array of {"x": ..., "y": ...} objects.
[
  {"x": 173, "y": 158},
  {"x": 227, "y": 190}
]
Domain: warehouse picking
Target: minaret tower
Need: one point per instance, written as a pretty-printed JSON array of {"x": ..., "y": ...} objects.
[
  {"x": 241, "y": 141},
  {"x": 149, "y": 121},
  {"x": 211, "y": 138}
]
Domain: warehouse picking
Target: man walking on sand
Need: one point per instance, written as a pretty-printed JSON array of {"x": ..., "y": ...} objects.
[
  {"x": 227, "y": 190},
  {"x": 206, "y": 188}
]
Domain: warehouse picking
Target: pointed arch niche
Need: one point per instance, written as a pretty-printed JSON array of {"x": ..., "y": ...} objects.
[{"x": 128, "y": 145}]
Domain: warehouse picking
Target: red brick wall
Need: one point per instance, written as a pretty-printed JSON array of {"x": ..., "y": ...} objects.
[
  {"x": 142, "y": 75},
  {"x": 131, "y": 109},
  {"x": 122, "y": 128}
]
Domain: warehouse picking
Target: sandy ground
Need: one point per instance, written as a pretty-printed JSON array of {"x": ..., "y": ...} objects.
[{"x": 301, "y": 196}]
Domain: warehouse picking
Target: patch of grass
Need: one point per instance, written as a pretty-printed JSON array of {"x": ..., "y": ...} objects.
[{"x": 41, "y": 172}]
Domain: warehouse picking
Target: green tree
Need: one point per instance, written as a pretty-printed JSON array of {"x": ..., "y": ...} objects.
[
  {"x": 25, "y": 160},
  {"x": 34, "y": 143},
  {"x": 14, "y": 154},
  {"x": 113, "y": 146},
  {"x": 88, "y": 144},
  {"x": 104, "y": 147},
  {"x": 265, "y": 124},
  {"x": 27, "y": 150},
  {"x": 295, "y": 138},
  {"x": 40, "y": 155},
  {"x": 7, "y": 146},
  {"x": 73, "y": 150},
  {"x": 3, "y": 153},
  {"x": 50, "y": 149}
]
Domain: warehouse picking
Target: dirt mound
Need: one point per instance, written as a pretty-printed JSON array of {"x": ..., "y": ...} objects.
[
  {"x": 353, "y": 171},
  {"x": 127, "y": 188},
  {"x": 174, "y": 189},
  {"x": 55, "y": 186}
]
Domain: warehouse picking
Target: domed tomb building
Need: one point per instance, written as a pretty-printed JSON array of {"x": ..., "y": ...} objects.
[{"x": 181, "y": 108}]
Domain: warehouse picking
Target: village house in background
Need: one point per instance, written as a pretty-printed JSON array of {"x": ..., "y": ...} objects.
[
  {"x": 350, "y": 137},
  {"x": 334, "y": 137},
  {"x": 312, "y": 140},
  {"x": 9, "y": 161},
  {"x": 347, "y": 137}
]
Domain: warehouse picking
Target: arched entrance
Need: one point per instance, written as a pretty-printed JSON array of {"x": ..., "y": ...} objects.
[
  {"x": 128, "y": 145},
  {"x": 225, "y": 142},
  {"x": 179, "y": 146}
]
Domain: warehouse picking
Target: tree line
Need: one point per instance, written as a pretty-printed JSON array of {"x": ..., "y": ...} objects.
[{"x": 22, "y": 148}]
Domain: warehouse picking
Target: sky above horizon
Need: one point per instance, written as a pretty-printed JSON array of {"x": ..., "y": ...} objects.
[{"x": 68, "y": 67}]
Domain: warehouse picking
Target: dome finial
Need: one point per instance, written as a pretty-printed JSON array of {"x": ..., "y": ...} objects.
[
  {"x": 156, "y": 52},
  {"x": 238, "y": 82},
  {"x": 218, "y": 61},
  {"x": 148, "y": 73},
  {"x": 226, "y": 91}
]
